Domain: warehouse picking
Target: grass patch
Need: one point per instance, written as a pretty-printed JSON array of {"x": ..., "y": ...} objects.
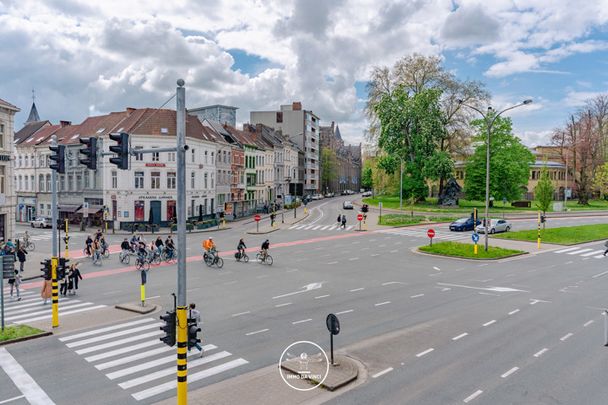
[
  {"x": 430, "y": 205},
  {"x": 465, "y": 250},
  {"x": 18, "y": 331},
  {"x": 407, "y": 219},
  {"x": 568, "y": 235},
  {"x": 593, "y": 205}
]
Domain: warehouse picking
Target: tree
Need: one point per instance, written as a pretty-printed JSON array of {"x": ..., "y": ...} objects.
[
  {"x": 543, "y": 192},
  {"x": 509, "y": 163},
  {"x": 410, "y": 127},
  {"x": 329, "y": 165},
  {"x": 600, "y": 180},
  {"x": 367, "y": 177}
]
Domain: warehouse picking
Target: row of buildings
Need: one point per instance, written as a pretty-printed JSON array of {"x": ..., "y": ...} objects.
[{"x": 271, "y": 160}]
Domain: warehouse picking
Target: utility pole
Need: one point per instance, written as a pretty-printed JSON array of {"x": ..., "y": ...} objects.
[
  {"x": 54, "y": 290},
  {"x": 182, "y": 318}
]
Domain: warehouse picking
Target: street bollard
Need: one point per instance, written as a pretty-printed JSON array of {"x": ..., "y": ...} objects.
[
  {"x": 605, "y": 313},
  {"x": 142, "y": 288}
]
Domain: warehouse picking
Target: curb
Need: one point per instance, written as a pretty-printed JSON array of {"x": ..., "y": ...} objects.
[
  {"x": 468, "y": 259},
  {"x": 136, "y": 308},
  {"x": 23, "y": 339},
  {"x": 263, "y": 233}
]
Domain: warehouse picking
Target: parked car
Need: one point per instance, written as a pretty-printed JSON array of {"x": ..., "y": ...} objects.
[
  {"x": 366, "y": 194},
  {"x": 41, "y": 222},
  {"x": 317, "y": 196},
  {"x": 496, "y": 225},
  {"x": 347, "y": 205},
  {"x": 329, "y": 195},
  {"x": 347, "y": 192},
  {"x": 463, "y": 224}
]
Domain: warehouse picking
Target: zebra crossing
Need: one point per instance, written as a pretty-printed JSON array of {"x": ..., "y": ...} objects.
[
  {"x": 132, "y": 355},
  {"x": 31, "y": 308},
  {"x": 422, "y": 234},
  {"x": 322, "y": 227},
  {"x": 582, "y": 252}
]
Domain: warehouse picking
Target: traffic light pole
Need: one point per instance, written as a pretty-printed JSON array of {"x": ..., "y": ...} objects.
[
  {"x": 55, "y": 292},
  {"x": 182, "y": 317}
]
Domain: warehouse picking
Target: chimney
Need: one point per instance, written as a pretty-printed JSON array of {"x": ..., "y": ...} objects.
[
  {"x": 258, "y": 128},
  {"x": 131, "y": 109},
  {"x": 296, "y": 106},
  {"x": 65, "y": 123}
]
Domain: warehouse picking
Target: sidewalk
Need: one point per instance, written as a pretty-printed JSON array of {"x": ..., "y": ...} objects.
[{"x": 282, "y": 220}]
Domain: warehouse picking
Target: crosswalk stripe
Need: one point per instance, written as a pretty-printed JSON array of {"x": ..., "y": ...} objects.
[
  {"x": 107, "y": 329},
  {"x": 308, "y": 227},
  {"x": 576, "y": 252},
  {"x": 316, "y": 227},
  {"x": 18, "y": 310},
  {"x": 113, "y": 335},
  {"x": 293, "y": 226},
  {"x": 565, "y": 250},
  {"x": 60, "y": 313},
  {"x": 148, "y": 353},
  {"x": 122, "y": 350},
  {"x": 348, "y": 228},
  {"x": 154, "y": 363},
  {"x": 593, "y": 253},
  {"x": 48, "y": 310},
  {"x": 599, "y": 256},
  {"x": 331, "y": 228},
  {"x": 118, "y": 342},
  {"x": 302, "y": 226},
  {"x": 191, "y": 378},
  {"x": 325, "y": 227}
]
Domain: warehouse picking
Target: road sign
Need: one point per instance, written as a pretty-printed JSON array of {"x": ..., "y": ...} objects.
[
  {"x": 257, "y": 218},
  {"x": 430, "y": 233},
  {"x": 475, "y": 237},
  {"x": 360, "y": 217},
  {"x": 333, "y": 324}
]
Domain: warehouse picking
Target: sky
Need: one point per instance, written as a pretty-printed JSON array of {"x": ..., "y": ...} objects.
[{"x": 88, "y": 58}]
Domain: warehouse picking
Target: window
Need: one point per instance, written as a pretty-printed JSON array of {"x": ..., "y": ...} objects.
[
  {"x": 212, "y": 186},
  {"x": 206, "y": 161},
  {"x": 78, "y": 182},
  {"x": 41, "y": 209},
  {"x": 2, "y": 180},
  {"x": 41, "y": 161},
  {"x": 205, "y": 182},
  {"x": 279, "y": 116},
  {"x": 212, "y": 158},
  {"x": 139, "y": 209},
  {"x": 192, "y": 180},
  {"x": 114, "y": 179},
  {"x": 19, "y": 161},
  {"x": 224, "y": 153},
  {"x": 25, "y": 183},
  {"x": 86, "y": 180},
  {"x": 139, "y": 156},
  {"x": 27, "y": 160},
  {"x": 193, "y": 155},
  {"x": 139, "y": 179},
  {"x": 62, "y": 182},
  {"x": 1, "y": 135},
  {"x": 41, "y": 183},
  {"x": 70, "y": 182},
  {"x": 48, "y": 182},
  {"x": 155, "y": 157},
  {"x": 155, "y": 180},
  {"x": 171, "y": 180},
  {"x": 171, "y": 157}
]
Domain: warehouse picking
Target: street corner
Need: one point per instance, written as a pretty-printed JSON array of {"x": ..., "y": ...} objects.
[{"x": 305, "y": 373}]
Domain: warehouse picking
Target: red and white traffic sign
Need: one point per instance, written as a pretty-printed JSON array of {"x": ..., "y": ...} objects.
[
  {"x": 430, "y": 233},
  {"x": 360, "y": 217},
  {"x": 257, "y": 218}
]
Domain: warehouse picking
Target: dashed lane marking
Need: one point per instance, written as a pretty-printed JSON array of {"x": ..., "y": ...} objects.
[
  {"x": 321, "y": 296},
  {"x": 357, "y": 289},
  {"x": 282, "y": 305},
  {"x": 417, "y": 295},
  {"x": 588, "y": 323},
  {"x": 460, "y": 336},
  {"x": 381, "y": 373},
  {"x": 256, "y": 332},
  {"x": 489, "y": 323},
  {"x": 344, "y": 312},
  {"x": 241, "y": 313},
  {"x": 514, "y": 312},
  {"x": 427, "y": 351},
  {"x": 565, "y": 337},
  {"x": 472, "y": 396},
  {"x": 508, "y": 373},
  {"x": 541, "y": 352},
  {"x": 302, "y": 321},
  {"x": 382, "y": 303}
]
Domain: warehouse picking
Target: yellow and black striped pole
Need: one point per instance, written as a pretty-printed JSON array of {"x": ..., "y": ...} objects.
[
  {"x": 182, "y": 353},
  {"x": 538, "y": 240},
  {"x": 54, "y": 292},
  {"x": 67, "y": 238}
]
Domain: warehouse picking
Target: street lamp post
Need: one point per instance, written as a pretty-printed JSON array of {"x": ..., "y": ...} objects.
[{"x": 490, "y": 117}]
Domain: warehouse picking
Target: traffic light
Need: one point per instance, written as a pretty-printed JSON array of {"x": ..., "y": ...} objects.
[
  {"x": 58, "y": 156},
  {"x": 121, "y": 149},
  {"x": 90, "y": 151},
  {"x": 169, "y": 328},
  {"x": 61, "y": 267},
  {"x": 46, "y": 269},
  {"x": 364, "y": 208},
  {"x": 543, "y": 219},
  {"x": 193, "y": 331}
]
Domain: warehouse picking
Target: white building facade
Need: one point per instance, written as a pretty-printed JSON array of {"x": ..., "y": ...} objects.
[{"x": 8, "y": 197}]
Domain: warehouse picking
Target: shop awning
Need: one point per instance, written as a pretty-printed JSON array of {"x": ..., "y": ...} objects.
[{"x": 68, "y": 208}]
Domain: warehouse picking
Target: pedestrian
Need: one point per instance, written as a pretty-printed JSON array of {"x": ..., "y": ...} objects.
[
  {"x": 45, "y": 293},
  {"x": 21, "y": 257},
  {"x": 339, "y": 219},
  {"x": 272, "y": 217},
  {"x": 343, "y": 221},
  {"x": 15, "y": 282},
  {"x": 74, "y": 276},
  {"x": 63, "y": 285},
  {"x": 195, "y": 315}
]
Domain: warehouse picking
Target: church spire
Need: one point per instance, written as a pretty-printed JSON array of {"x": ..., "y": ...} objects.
[{"x": 33, "y": 117}]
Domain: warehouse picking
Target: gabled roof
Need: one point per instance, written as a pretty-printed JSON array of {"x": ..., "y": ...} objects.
[
  {"x": 33, "y": 114},
  {"x": 42, "y": 135},
  {"x": 244, "y": 138},
  {"x": 28, "y": 130},
  {"x": 8, "y": 105}
]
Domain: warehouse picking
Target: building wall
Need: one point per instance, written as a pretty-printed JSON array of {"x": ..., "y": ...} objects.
[
  {"x": 218, "y": 113},
  {"x": 8, "y": 197}
]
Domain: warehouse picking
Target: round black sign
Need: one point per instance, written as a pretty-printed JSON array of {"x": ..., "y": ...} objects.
[{"x": 333, "y": 324}]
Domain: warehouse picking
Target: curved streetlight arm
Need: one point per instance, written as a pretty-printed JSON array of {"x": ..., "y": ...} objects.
[{"x": 510, "y": 108}]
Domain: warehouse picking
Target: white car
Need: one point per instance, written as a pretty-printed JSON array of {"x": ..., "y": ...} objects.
[
  {"x": 347, "y": 205},
  {"x": 317, "y": 197},
  {"x": 41, "y": 222},
  {"x": 496, "y": 225},
  {"x": 366, "y": 194}
]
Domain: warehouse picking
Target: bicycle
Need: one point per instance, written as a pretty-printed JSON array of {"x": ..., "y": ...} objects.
[
  {"x": 125, "y": 256},
  {"x": 28, "y": 244},
  {"x": 142, "y": 263},
  {"x": 263, "y": 258},
  {"x": 86, "y": 252},
  {"x": 241, "y": 257},
  {"x": 96, "y": 258},
  {"x": 154, "y": 257},
  {"x": 105, "y": 252},
  {"x": 169, "y": 255},
  {"x": 213, "y": 259}
]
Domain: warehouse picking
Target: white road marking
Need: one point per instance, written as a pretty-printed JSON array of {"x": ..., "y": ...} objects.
[
  {"x": 495, "y": 289},
  {"x": 128, "y": 359},
  {"x": 357, "y": 289},
  {"x": 241, "y": 313},
  {"x": 436, "y": 268},
  {"x": 113, "y": 335},
  {"x": 119, "y": 342},
  {"x": 460, "y": 336},
  {"x": 427, "y": 351},
  {"x": 6, "y": 401},
  {"x": 344, "y": 312},
  {"x": 282, "y": 305},
  {"x": 599, "y": 274},
  {"x": 353, "y": 258},
  {"x": 332, "y": 263},
  {"x": 417, "y": 295},
  {"x": 472, "y": 396},
  {"x": 22, "y": 380},
  {"x": 123, "y": 350},
  {"x": 350, "y": 227},
  {"x": 308, "y": 287},
  {"x": 576, "y": 252},
  {"x": 489, "y": 323},
  {"x": 508, "y": 373},
  {"x": 540, "y": 352},
  {"x": 565, "y": 250},
  {"x": 588, "y": 323},
  {"x": 595, "y": 252},
  {"x": 382, "y": 303},
  {"x": 39, "y": 318},
  {"x": 514, "y": 312},
  {"x": 486, "y": 293},
  {"x": 302, "y": 321},
  {"x": 375, "y": 254},
  {"x": 322, "y": 296},
  {"x": 381, "y": 373},
  {"x": 256, "y": 332},
  {"x": 393, "y": 251},
  {"x": 566, "y": 336},
  {"x": 393, "y": 282},
  {"x": 316, "y": 227}
]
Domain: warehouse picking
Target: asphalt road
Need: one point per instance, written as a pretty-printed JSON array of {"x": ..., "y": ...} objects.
[{"x": 431, "y": 330}]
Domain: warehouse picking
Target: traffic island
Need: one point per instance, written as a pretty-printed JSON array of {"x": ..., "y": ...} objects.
[
  {"x": 343, "y": 371},
  {"x": 137, "y": 308},
  {"x": 568, "y": 235},
  {"x": 466, "y": 251},
  {"x": 20, "y": 333}
]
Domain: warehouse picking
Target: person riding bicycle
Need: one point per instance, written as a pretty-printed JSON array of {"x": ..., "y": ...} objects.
[
  {"x": 26, "y": 238},
  {"x": 209, "y": 247},
  {"x": 265, "y": 247},
  {"x": 170, "y": 246},
  {"x": 126, "y": 246},
  {"x": 241, "y": 247},
  {"x": 134, "y": 242},
  {"x": 96, "y": 250},
  {"x": 142, "y": 251},
  {"x": 103, "y": 244},
  {"x": 98, "y": 234},
  {"x": 88, "y": 245},
  {"x": 159, "y": 244}
]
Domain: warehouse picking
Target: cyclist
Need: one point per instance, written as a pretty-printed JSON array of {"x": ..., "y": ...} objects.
[
  {"x": 96, "y": 251},
  {"x": 98, "y": 234},
  {"x": 209, "y": 247},
  {"x": 26, "y": 238},
  {"x": 88, "y": 245},
  {"x": 134, "y": 242},
  {"x": 126, "y": 246},
  {"x": 159, "y": 244},
  {"x": 103, "y": 244},
  {"x": 170, "y": 247},
  {"x": 241, "y": 248},
  {"x": 142, "y": 252},
  {"x": 264, "y": 249}
]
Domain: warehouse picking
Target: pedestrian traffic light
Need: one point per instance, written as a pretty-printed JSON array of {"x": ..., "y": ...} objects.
[
  {"x": 193, "y": 331},
  {"x": 90, "y": 151},
  {"x": 121, "y": 149},
  {"x": 58, "y": 156},
  {"x": 46, "y": 269},
  {"x": 542, "y": 219},
  {"x": 364, "y": 208},
  {"x": 61, "y": 267},
  {"x": 169, "y": 328}
]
